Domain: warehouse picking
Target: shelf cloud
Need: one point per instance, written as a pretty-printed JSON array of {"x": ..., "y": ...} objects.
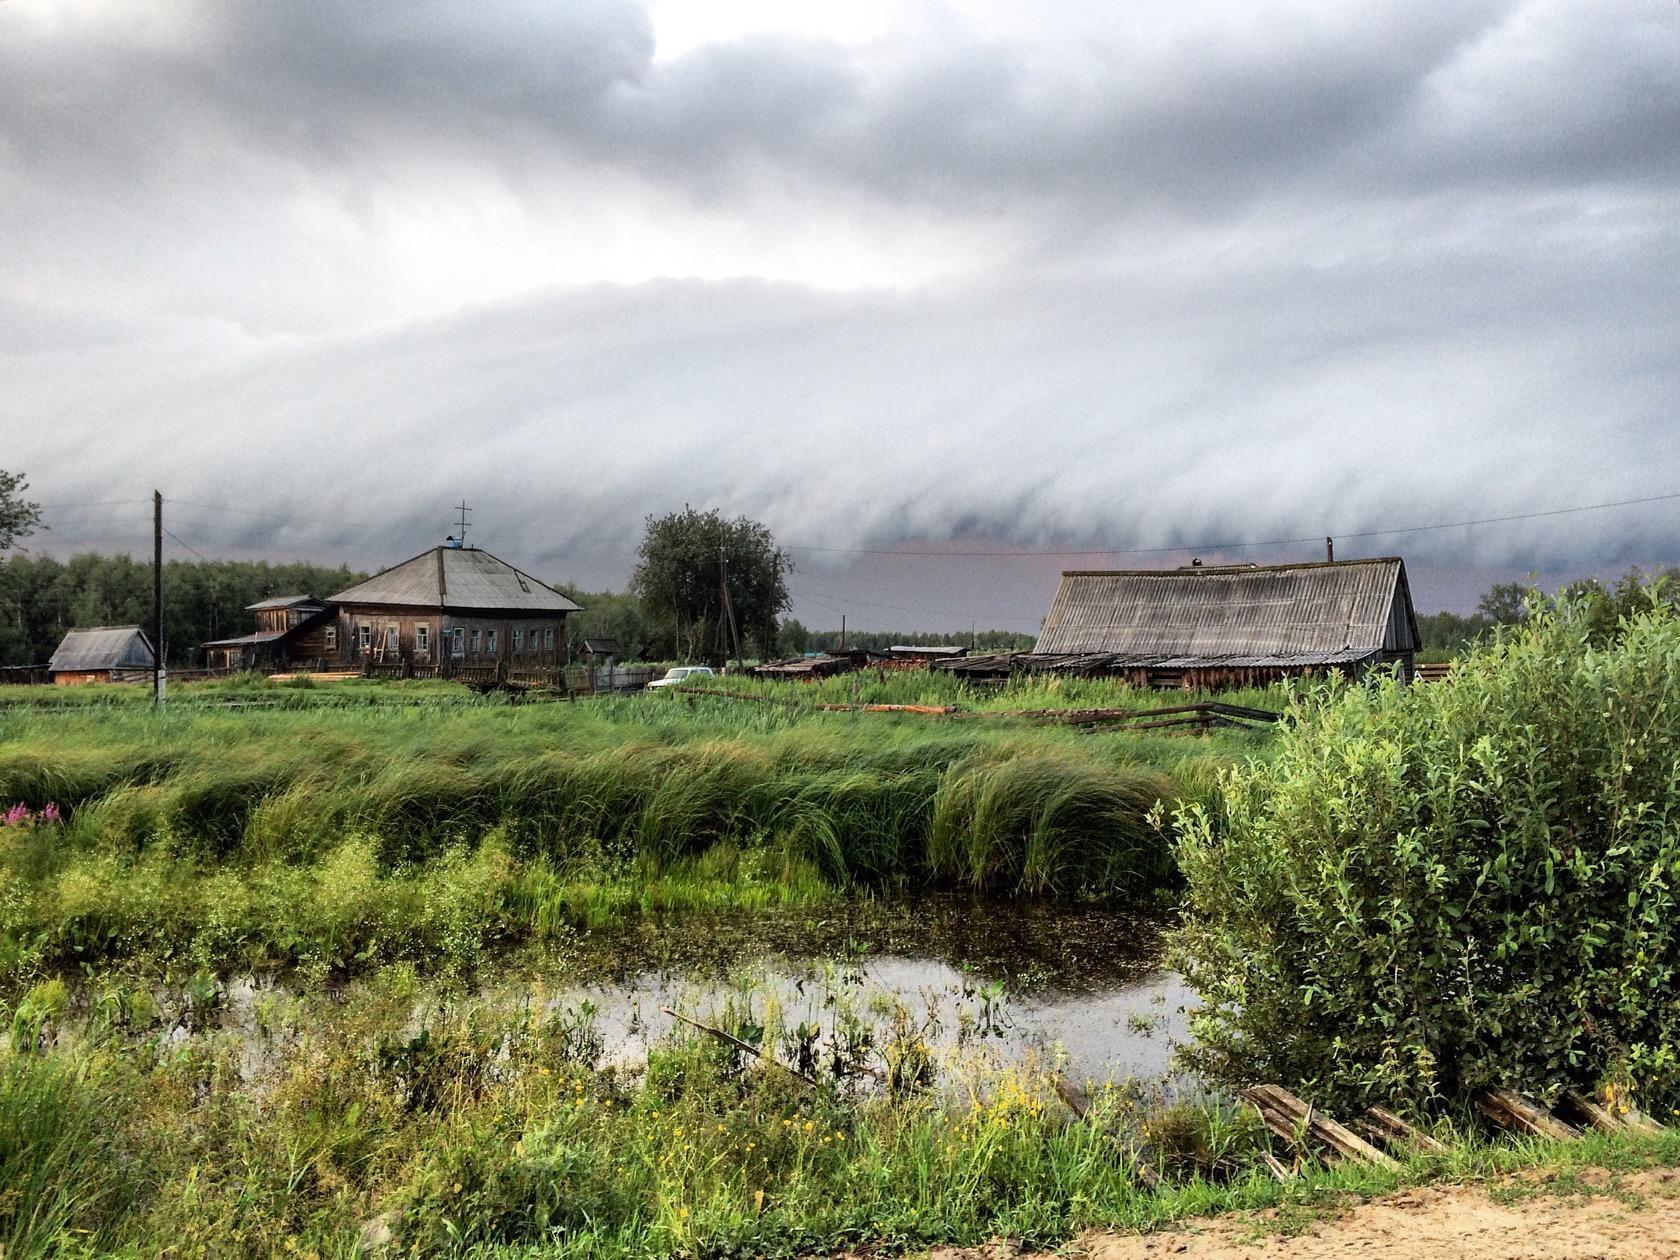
[{"x": 1152, "y": 280}]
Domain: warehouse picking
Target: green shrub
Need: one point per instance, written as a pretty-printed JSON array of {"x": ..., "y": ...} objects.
[{"x": 1454, "y": 886}]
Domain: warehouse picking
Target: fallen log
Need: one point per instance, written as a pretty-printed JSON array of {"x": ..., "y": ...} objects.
[
  {"x": 1511, "y": 1110},
  {"x": 1287, "y": 1116}
]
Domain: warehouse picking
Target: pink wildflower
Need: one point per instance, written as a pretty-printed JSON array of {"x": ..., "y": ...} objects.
[
  {"x": 18, "y": 815},
  {"x": 50, "y": 814}
]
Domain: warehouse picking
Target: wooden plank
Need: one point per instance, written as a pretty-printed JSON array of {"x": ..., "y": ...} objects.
[
  {"x": 1512, "y": 1111},
  {"x": 1392, "y": 1129},
  {"x": 1286, "y": 1115},
  {"x": 1596, "y": 1115}
]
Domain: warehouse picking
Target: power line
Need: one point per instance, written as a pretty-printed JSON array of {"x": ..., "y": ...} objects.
[
  {"x": 187, "y": 545},
  {"x": 1233, "y": 546}
]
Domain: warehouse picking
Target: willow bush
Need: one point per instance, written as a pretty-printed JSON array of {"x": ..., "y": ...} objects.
[{"x": 1436, "y": 889}]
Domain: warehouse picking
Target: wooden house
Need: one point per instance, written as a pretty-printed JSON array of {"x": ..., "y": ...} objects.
[
  {"x": 102, "y": 654},
  {"x": 452, "y": 606},
  {"x": 289, "y": 628},
  {"x": 1241, "y": 625}
]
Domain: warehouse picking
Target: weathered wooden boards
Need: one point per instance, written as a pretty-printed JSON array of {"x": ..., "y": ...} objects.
[
  {"x": 1618, "y": 1119},
  {"x": 1384, "y": 1125},
  {"x": 1289, "y": 1118},
  {"x": 1510, "y": 1110}
]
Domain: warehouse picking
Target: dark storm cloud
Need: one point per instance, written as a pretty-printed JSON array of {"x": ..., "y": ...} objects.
[
  {"x": 1388, "y": 96},
  {"x": 1371, "y": 266}
]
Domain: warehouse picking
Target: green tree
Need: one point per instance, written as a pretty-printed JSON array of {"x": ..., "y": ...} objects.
[
  {"x": 18, "y": 516},
  {"x": 1505, "y": 604},
  {"x": 684, "y": 562}
]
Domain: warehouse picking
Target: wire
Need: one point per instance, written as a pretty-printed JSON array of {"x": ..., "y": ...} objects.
[
  {"x": 1232, "y": 546},
  {"x": 841, "y": 604},
  {"x": 186, "y": 544}
]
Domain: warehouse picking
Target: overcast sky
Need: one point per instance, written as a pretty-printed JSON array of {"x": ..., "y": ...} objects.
[{"x": 889, "y": 275}]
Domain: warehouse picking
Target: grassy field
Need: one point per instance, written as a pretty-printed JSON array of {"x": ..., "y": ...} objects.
[
  {"x": 350, "y": 825},
  {"x": 331, "y": 1125}
]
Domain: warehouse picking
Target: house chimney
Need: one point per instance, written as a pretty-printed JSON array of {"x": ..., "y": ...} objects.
[{"x": 1329, "y": 550}]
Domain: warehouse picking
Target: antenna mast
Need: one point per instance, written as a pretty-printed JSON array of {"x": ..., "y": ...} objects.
[{"x": 463, "y": 509}]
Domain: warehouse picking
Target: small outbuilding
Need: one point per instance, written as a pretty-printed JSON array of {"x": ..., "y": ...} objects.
[
  {"x": 289, "y": 628},
  {"x": 1243, "y": 625},
  {"x": 102, "y": 654}
]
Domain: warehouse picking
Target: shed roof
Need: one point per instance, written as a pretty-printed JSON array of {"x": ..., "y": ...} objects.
[
  {"x": 102, "y": 647},
  {"x": 262, "y": 636},
  {"x": 285, "y": 601},
  {"x": 601, "y": 647},
  {"x": 1299, "y": 614},
  {"x": 458, "y": 577}
]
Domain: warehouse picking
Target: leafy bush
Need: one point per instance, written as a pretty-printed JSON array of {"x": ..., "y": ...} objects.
[{"x": 1467, "y": 884}]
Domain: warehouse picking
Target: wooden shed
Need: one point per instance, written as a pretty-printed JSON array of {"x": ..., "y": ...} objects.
[
  {"x": 102, "y": 654},
  {"x": 289, "y": 628},
  {"x": 1231, "y": 626}
]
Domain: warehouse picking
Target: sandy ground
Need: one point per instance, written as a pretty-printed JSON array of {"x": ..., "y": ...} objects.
[{"x": 1634, "y": 1216}]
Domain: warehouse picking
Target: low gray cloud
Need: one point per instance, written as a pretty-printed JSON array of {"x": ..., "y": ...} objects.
[{"x": 1350, "y": 271}]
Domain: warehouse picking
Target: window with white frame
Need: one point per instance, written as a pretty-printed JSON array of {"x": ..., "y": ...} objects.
[
  {"x": 548, "y": 639},
  {"x": 518, "y": 641},
  {"x": 393, "y": 636},
  {"x": 490, "y": 642},
  {"x": 332, "y": 638},
  {"x": 460, "y": 637},
  {"x": 477, "y": 640},
  {"x": 365, "y": 637},
  {"x": 422, "y": 638}
]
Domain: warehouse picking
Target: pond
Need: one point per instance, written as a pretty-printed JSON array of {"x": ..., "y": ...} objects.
[{"x": 1083, "y": 989}]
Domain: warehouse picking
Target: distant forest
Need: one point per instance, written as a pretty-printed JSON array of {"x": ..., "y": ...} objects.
[{"x": 41, "y": 598}]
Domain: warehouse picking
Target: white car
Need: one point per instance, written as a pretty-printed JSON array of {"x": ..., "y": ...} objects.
[{"x": 681, "y": 673}]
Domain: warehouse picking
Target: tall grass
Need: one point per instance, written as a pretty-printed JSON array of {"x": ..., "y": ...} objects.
[{"x": 215, "y": 833}]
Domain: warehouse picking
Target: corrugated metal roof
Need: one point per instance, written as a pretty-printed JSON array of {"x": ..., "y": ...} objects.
[
  {"x": 1182, "y": 618},
  {"x": 102, "y": 647},
  {"x": 458, "y": 577},
  {"x": 284, "y": 601}
]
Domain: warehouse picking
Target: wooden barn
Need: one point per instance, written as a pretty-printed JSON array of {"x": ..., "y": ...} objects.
[
  {"x": 452, "y": 606},
  {"x": 289, "y": 628},
  {"x": 1242, "y": 625},
  {"x": 102, "y": 654}
]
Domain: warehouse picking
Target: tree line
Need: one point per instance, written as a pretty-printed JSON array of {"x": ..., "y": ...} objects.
[{"x": 41, "y": 598}]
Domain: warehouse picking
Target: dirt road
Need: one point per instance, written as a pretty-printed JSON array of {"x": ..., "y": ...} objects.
[{"x": 1589, "y": 1216}]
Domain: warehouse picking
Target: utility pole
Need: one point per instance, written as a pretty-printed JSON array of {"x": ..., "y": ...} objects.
[
  {"x": 157, "y": 597},
  {"x": 729, "y": 609},
  {"x": 1329, "y": 550},
  {"x": 842, "y": 632}
]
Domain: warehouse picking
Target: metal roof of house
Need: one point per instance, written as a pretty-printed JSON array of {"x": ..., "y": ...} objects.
[
  {"x": 102, "y": 647},
  {"x": 285, "y": 601},
  {"x": 458, "y": 577},
  {"x": 1301, "y": 614},
  {"x": 263, "y": 636}
]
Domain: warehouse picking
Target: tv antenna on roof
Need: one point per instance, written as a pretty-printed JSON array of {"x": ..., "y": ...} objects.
[{"x": 463, "y": 509}]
